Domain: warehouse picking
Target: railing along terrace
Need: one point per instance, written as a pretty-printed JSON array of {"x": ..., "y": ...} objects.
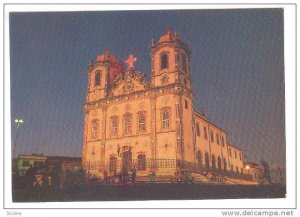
[{"x": 162, "y": 163}]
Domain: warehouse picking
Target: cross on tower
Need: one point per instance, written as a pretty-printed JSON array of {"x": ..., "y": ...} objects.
[{"x": 130, "y": 61}]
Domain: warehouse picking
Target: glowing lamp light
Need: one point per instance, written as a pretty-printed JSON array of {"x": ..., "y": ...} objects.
[
  {"x": 247, "y": 167},
  {"x": 19, "y": 121}
]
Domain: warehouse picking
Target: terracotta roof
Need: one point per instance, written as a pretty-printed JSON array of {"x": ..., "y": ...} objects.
[
  {"x": 107, "y": 56},
  {"x": 251, "y": 164},
  {"x": 234, "y": 146},
  {"x": 169, "y": 35},
  {"x": 200, "y": 115}
]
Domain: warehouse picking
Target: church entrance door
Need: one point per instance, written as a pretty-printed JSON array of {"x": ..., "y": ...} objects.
[{"x": 126, "y": 161}]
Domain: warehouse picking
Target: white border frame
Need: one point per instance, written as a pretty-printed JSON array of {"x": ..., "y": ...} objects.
[{"x": 290, "y": 94}]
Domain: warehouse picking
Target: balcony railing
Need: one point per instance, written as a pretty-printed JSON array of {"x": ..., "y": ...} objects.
[{"x": 163, "y": 164}]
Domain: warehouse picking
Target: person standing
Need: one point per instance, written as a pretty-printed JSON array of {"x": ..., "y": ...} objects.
[
  {"x": 152, "y": 176},
  {"x": 133, "y": 175},
  {"x": 105, "y": 177}
]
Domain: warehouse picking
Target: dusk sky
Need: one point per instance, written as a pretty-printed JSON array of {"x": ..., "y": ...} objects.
[{"x": 237, "y": 69}]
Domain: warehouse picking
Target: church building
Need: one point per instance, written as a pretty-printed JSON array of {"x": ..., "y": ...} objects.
[{"x": 151, "y": 124}]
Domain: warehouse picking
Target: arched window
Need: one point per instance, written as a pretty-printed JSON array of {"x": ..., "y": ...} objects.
[
  {"x": 213, "y": 162},
  {"x": 183, "y": 62},
  {"x": 205, "y": 133},
  {"x": 199, "y": 158},
  {"x": 164, "y": 61},
  {"x": 219, "y": 163},
  {"x": 141, "y": 162},
  {"x": 142, "y": 122},
  {"x": 225, "y": 164},
  {"x": 95, "y": 129},
  {"x": 98, "y": 78},
  {"x": 222, "y": 140},
  {"x": 127, "y": 124},
  {"x": 112, "y": 164},
  {"x": 230, "y": 153},
  {"x": 211, "y": 136},
  {"x": 206, "y": 161},
  {"x": 198, "y": 129}
]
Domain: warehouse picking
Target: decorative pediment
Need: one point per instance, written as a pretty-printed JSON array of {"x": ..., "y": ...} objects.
[{"x": 130, "y": 81}]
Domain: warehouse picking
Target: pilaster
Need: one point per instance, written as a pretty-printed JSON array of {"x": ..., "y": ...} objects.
[{"x": 153, "y": 126}]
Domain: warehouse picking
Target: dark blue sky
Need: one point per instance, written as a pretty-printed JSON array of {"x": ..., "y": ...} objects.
[{"x": 237, "y": 68}]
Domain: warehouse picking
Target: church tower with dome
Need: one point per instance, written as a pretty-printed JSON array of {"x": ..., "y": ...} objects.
[{"x": 150, "y": 125}]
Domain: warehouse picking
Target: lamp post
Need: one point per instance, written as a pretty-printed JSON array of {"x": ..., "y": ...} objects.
[
  {"x": 248, "y": 168},
  {"x": 18, "y": 122}
]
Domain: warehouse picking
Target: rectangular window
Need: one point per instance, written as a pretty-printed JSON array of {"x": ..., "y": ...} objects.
[
  {"x": 217, "y": 138},
  {"x": 198, "y": 129},
  {"x": 38, "y": 163},
  {"x": 142, "y": 123},
  {"x": 95, "y": 127},
  {"x": 25, "y": 163},
  {"x": 166, "y": 119},
  {"x": 235, "y": 155},
  {"x": 114, "y": 126},
  {"x": 240, "y": 156},
  {"x": 186, "y": 104},
  {"x": 205, "y": 133},
  {"x": 230, "y": 152},
  {"x": 127, "y": 124},
  {"x": 112, "y": 164}
]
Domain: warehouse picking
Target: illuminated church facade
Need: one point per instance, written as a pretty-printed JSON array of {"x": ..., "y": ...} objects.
[{"x": 152, "y": 125}]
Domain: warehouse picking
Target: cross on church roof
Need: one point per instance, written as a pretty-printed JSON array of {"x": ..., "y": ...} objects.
[{"x": 130, "y": 61}]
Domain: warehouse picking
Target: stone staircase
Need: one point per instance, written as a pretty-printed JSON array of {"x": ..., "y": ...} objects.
[
  {"x": 158, "y": 179},
  {"x": 242, "y": 182},
  {"x": 168, "y": 179},
  {"x": 197, "y": 177}
]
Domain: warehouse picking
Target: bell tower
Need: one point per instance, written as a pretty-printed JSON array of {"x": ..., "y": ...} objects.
[
  {"x": 170, "y": 58},
  {"x": 170, "y": 65},
  {"x": 101, "y": 75}
]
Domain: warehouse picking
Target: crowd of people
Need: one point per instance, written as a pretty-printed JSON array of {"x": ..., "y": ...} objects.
[
  {"x": 124, "y": 177},
  {"x": 39, "y": 183}
]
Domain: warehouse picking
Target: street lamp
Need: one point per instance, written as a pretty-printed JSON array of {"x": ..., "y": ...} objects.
[
  {"x": 247, "y": 167},
  {"x": 18, "y": 122}
]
